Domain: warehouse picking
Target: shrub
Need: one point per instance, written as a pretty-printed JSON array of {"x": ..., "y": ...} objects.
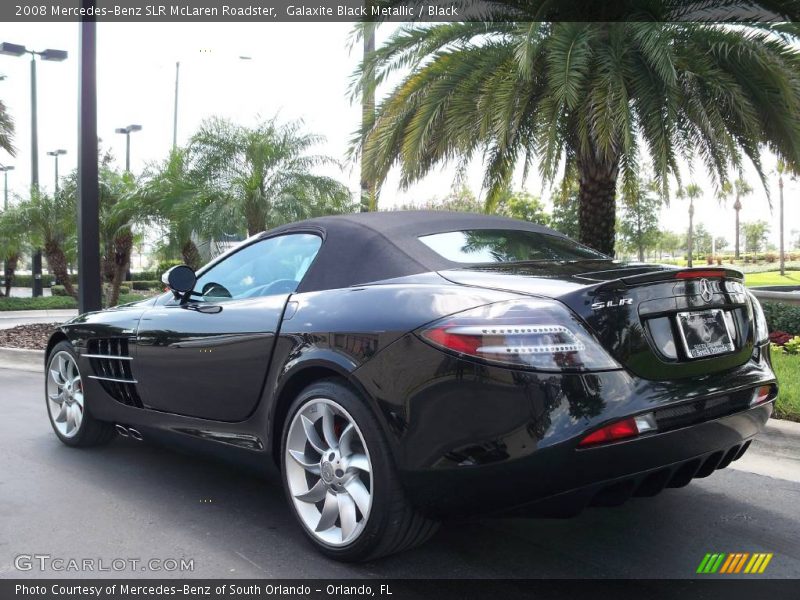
[
  {"x": 782, "y": 317},
  {"x": 58, "y": 290},
  {"x": 147, "y": 285},
  {"x": 792, "y": 346},
  {"x": 166, "y": 265},
  {"x": 41, "y": 303},
  {"x": 771, "y": 257},
  {"x": 779, "y": 338},
  {"x": 145, "y": 276}
]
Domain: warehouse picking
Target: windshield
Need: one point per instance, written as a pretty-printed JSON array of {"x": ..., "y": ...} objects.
[{"x": 506, "y": 245}]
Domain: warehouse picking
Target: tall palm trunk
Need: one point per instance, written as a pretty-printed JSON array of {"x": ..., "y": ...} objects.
[
  {"x": 737, "y": 206},
  {"x": 690, "y": 239},
  {"x": 190, "y": 254},
  {"x": 12, "y": 260},
  {"x": 123, "y": 246},
  {"x": 368, "y": 200},
  {"x": 597, "y": 204},
  {"x": 57, "y": 263},
  {"x": 782, "y": 260}
]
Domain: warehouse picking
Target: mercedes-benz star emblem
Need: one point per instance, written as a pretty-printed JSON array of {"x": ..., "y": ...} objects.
[{"x": 705, "y": 290}]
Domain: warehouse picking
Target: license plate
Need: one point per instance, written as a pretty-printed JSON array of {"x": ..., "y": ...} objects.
[{"x": 705, "y": 333}]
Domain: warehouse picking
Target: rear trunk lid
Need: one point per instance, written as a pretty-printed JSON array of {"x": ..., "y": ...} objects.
[{"x": 660, "y": 322}]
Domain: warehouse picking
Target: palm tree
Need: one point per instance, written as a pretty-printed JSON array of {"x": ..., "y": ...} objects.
[
  {"x": 174, "y": 197},
  {"x": 262, "y": 177},
  {"x": 12, "y": 244},
  {"x": 120, "y": 207},
  {"x": 50, "y": 225},
  {"x": 593, "y": 99},
  {"x": 738, "y": 189},
  {"x": 6, "y": 130},
  {"x": 781, "y": 170},
  {"x": 691, "y": 191}
]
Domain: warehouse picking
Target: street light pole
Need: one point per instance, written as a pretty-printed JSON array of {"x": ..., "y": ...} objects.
[
  {"x": 127, "y": 132},
  {"x": 175, "y": 109},
  {"x": 34, "y": 128},
  {"x": 5, "y": 171},
  {"x": 55, "y": 154},
  {"x": 52, "y": 55}
]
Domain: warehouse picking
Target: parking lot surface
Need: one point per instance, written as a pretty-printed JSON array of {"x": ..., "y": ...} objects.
[{"x": 134, "y": 500}]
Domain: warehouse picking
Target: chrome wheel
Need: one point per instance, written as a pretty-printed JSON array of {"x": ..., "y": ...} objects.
[
  {"x": 328, "y": 471},
  {"x": 64, "y": 389}
]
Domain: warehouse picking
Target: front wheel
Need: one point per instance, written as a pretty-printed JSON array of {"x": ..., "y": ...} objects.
[
  {"x": 66, "y": 402},
  {"x": 340, "y": 480}
]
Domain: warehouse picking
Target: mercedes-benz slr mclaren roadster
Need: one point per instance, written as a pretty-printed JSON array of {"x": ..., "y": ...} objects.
[{"x": 400, "y": 368}]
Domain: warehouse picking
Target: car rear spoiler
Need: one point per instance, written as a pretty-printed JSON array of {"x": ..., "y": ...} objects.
[{"x": 684, "y": 273}]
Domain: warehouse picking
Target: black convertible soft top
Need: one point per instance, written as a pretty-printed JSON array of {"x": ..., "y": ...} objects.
[{"x": 366, "y": 247}]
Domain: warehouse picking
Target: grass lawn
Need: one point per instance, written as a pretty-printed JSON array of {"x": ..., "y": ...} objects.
[
  {"x": 54, "y": 302},
  {"x": 787, "y": 368},
  {"x": 772, "y": 278}
]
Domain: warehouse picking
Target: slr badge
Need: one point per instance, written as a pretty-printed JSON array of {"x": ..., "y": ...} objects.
[{"x": 612, "y": 303}]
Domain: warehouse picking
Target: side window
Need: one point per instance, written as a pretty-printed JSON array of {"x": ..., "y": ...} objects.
[{"x": 272, "y": 266}]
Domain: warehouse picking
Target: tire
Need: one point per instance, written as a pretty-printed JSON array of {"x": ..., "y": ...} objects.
[
  {"x": 80, "y": 429},
  {"x": 388, "y": 523}
]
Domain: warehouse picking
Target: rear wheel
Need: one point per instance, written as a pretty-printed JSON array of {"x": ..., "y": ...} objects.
[
  {"x": 340, "y": 480},
  {"x": 72, "y": 422}
]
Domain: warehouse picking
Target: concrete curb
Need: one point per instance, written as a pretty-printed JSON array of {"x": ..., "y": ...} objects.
[
  {"x": 22, "y": 359},
  {"x": 45, "y": 312}
]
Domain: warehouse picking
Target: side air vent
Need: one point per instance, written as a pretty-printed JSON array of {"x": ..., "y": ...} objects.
[{"x": 111, "y": 363}]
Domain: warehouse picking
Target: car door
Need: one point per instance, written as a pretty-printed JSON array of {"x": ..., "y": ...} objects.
[{"x": 208, "y": 357}]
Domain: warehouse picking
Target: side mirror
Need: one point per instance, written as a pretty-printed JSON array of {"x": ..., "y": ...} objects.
[{"x": 181, "y": 279}]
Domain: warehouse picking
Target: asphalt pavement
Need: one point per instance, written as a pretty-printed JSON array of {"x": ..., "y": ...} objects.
[{"x": 133, "y": 500}]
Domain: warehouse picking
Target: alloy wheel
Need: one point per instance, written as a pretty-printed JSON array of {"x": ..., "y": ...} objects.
[
  {"x": 64, "y": 390},
  {"x": 329, "y": 472}
]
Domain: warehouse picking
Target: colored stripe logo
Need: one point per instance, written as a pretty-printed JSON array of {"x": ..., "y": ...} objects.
[{"x": 735, "y": 562}]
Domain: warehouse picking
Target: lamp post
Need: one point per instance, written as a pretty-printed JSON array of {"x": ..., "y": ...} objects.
[
  {"x": 5, "y": 171},
  {"x": 127, "y": 132},
  {"x": 50, "y": 55},
  {"x": 175, "y": 103},
  {"x": 55, "y": 154}
]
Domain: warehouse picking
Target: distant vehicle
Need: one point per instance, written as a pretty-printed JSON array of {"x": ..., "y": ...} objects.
[{"x": 402, "y": 368}]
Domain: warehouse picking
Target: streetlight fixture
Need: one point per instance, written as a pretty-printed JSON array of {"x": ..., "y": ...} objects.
[
  {"x": 127, "y": 132},
  {"x": 5, "y": 171},
  {"x": 55, "y": 154},
  {"x": 50, "y": 54}
]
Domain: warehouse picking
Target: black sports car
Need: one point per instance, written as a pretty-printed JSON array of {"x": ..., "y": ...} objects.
[{"x": 403, "y": 367}]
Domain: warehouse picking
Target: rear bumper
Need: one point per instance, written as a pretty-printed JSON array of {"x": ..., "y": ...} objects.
[
  {"x": 561, "y": 481},
  {"x": 470, "y": 438}
]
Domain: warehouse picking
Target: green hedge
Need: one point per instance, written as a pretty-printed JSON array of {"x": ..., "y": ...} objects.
[
  {"x": 41, "y": 303},
  {"x": 147, "y": 285},
  {"x": 782, "y": 317},
  {"x": 58, "y": 290},
  {"x": 27, "y": 280},
  {"x": 145, "y": 276}
]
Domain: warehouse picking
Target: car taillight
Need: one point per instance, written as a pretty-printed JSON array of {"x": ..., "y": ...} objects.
[
  {"x": 760, "y": 321},
  {"x": 620, "y": 430},
  {"x": 761, "y": 394},
  {"x": 533, "y": 333}
]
